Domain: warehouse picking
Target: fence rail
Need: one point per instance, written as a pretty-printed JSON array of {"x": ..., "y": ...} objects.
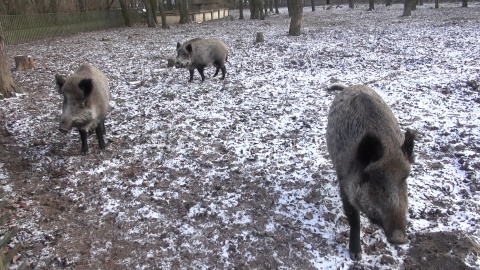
[{"x": 25, "y": 28}]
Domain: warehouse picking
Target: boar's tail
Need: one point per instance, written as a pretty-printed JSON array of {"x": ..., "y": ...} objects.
[{"x": 336, "y": 86}]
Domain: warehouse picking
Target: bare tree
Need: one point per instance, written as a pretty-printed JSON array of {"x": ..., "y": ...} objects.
[
  {"x": 351, "y": 4},
  {"x": 161, "y": 7},
  {"x": 183, "y": 10},
  {"x": 81, "y": 6},
  {"x": 464, "y": 3},
  {"x": 7, "y": 86},
  {"x": 256, "y": 9},
  {"x": 126, "y": 16},
  {"x": 388, "y": 3},
  {"x": 371, "y": 5},
  {"x": 313, "y": 5},
  {"x": 154, "y": 10},
  {"x": 240, "y": 9},
  {"x": 289, "y": 7},
  {"x": 150, "y": 14},
  {"x": 407, "y": 8},
  {"x": 296, "y": 19},
  {"x": 437, "y": 4},
  {"x": 275, "y": 2}
]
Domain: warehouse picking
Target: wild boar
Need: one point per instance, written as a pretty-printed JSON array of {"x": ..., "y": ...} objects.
[
  {"x": 372, "y": 159},
  {"x": 199, "y": 53},
  {"x": 86, "y": 99}
]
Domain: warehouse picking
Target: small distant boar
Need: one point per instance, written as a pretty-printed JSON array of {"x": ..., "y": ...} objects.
[
  {"x": 199, "y": 53},
  {"x": 85, "y": 103},
  {"x": 372, "y": 159}
]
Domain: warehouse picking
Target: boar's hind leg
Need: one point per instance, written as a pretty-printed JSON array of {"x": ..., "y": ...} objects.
[
  {"x": 83, "y": 137},
  {"x": 353, "y": 217},
  {"x": 216, "y": 72},
  {"x": 100, "y": 131},
  {"x": 219, "y": 66},
  {"x": 224, "y": 71}
]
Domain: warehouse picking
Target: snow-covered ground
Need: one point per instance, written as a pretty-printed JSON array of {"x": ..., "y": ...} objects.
[{"x": 235, "y": 173}]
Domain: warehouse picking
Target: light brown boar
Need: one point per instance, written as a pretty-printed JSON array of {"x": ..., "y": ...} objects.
[
  {"x": 372, "y": 159},
  {"x": 86, "y": 99}
]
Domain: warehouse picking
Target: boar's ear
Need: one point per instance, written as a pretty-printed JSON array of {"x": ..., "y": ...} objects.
[
  {"x": 86, "y": 85},
  {"x": 370, "y": 149},
  {"x": 189, "y": 48},
  {"x": 407, "y": 146},
  {"x": 60, "y": 82},
  {"x": 178, "y": 45}
]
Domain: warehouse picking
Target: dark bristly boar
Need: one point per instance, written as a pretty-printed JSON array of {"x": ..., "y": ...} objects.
[
  {"x": 199, "y": 53},
  {"x": 372, "y": 159},
  {"x": 85, "y": 103}
]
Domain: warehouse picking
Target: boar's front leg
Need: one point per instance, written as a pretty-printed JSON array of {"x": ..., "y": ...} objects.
[
  {"x": 83, "y": 137},
  {"x": 100, "y": 131},
  {"x": 191, "y": 75},
  {"x": 200, "y": 70},
  {"x": 353, "y": 217}
]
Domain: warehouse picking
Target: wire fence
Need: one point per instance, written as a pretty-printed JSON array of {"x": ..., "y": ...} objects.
[{"x": 25, "y": 28}]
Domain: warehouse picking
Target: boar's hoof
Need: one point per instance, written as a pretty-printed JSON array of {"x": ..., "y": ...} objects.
[
  {"x": 356, "y": 256},
  {"x": 397, "y": 238}
]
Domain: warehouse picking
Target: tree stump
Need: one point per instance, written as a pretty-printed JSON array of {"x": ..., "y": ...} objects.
[
  {"x": 260, "y": 37},
  {"x": 23, "y": 62}
]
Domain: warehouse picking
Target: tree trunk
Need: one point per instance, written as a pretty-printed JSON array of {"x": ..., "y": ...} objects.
[
  {"x": 388, "y": 3},
  {"x": 270, "y": 3},
  {"x": 414, "y": 4},
  {"x": 251, "y": 5},
  {"x": 81, "y": 5},
  {"x": 313, "y": 5},
  {"x": 148, "y": 8},
  {"x": 256, "y": 9},
  {"x": 276, "y": 6},
  {"x": 126, "y": 16},
  {"x": 296, "y": 19},
  {"x": 240, "y": 9},
  {"x": 154, "y": 10},
  {"x": 464, "y": 3},
  {"x": 371, "y": 5},
  {"x": 161, "y": 6},
  {"x": 183, "y": 9},
  {"x": 351, "y": 4},
  {"x": 407, "y": 8},
  {"x": 260, "y": 9},
  {"x": 7, "y": 86},
  {"x": 437, "y": 4},
  {"x": 289, "y": 7}
]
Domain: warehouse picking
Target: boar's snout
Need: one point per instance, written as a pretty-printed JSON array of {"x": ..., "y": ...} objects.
[
  {"x": 397, "y": 238},
  {"x": 64, "y": 127}
]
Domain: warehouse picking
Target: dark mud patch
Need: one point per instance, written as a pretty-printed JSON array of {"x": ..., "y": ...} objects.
[{"x": 441, "y": 250}]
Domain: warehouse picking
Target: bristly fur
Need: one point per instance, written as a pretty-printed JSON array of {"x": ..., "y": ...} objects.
[
  {"x": 372, "y": 159},
  {"x": 86, "y": 102}
]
